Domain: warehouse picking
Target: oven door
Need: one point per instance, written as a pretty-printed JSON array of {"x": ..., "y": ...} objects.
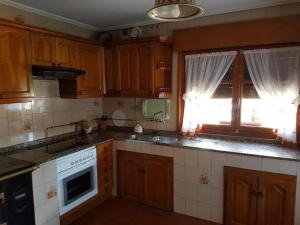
[{"x": 77, "y": 185}]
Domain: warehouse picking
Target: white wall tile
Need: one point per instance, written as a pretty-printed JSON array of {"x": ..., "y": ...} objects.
[
  {"x": 288, "y": 167},
  {"x": 3, "y": 111},
  {"x": 252, "y": 163},
  {"x": 218, "y": 161},
  {"x": 217, "y": 197},
  {"x": 204, "y": 211},
  {"x": 271, "y": 165},
  {"x": 179, "y": 172},
  {"x": 204, "y": 194},
  {"x": 204, "y": 172},
  {"x": 156, "y": 149},
  {"x": 144, "y": 148},
  {"x": 192, "y": 208},
  {"x": 217, "y": 214},
  {"x": 217, "y": 180},
  {"x": 167, "y": 151},
  {"x": 50, "y": 173},
  {"x": 40, "y": 215},
  {"x": 191, "y": 175},
  {"x": 38, "y": 177},
  {"x": 179, "y": 205},
  {"x": 191, "y": 158},
  {"x": 204, "y": 159},
  {"x": 179, "y": 156},
  {"x": 4, "y": 127},
  {"x": 233, "y": 160},
  {"x": 179, "y": 189},
  {"x": 191, "y": 191}
]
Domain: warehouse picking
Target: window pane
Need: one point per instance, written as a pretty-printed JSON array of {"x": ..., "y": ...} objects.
[
  {"x": 254, "y": 112},
  {"x": 217, "y": 111}
]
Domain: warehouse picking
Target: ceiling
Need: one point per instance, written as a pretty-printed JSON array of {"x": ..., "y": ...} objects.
[{"x": 109, "y": 14}]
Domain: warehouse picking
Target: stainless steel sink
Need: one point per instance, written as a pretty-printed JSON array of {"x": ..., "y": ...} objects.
[
  {"x": 164, "y": 139},
  {"x": 153, "y": 139}
]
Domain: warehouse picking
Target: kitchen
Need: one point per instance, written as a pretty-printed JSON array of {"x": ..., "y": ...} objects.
[{"x": 129, "y": 118}]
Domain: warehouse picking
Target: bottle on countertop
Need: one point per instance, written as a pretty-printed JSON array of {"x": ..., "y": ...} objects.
[{"x": 138, "y": 128}]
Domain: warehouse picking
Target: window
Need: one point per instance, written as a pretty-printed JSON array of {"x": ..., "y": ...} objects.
[
  {"x": 235, "y": 107},
  {"x": 218, "y": 109}
]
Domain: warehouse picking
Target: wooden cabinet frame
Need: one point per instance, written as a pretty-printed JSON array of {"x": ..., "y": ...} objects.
[
  {"x": 141, "y": 187},
  {"x": 262, "y": 197}
]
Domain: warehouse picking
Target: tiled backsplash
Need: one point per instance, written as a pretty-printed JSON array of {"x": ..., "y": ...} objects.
[{"x": 23, "y": 122}]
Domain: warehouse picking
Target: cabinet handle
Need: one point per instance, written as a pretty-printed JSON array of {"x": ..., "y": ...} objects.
[
  {"x": 260, "y": 194},
  {"x": 2, "y": 198},
  {"x": 253, "y": 193}
]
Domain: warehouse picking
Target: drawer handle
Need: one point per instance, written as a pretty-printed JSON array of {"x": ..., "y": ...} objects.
[
  {"x": 253, "y": 193},
  {"x": 260, "y": 194},
  {"x": 2, "y": 198}
]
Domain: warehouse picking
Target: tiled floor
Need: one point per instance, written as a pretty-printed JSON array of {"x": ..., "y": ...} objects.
[{"x": 119, "y": 212}]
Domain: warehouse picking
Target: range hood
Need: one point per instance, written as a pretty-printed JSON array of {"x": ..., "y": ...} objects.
[{"x": 55, "y": 72}]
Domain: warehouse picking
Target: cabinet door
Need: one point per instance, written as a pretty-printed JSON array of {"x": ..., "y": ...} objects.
[
  {"x": 89, "y": 60},
  {"x": 240, "y": 197},
  {"x": 127, "y": 68},
  {"x": 276, "y": 200},
  {"x": 129, "y": 176},
  {"x": 65, "y": 52},
  {"x": 42, "y": 49},
  {"x": 158, "y": 182},
  {"x": 15, "y": 63},
  {"x": 112, "y": 82},
  {"x": 145, "y": 85}
]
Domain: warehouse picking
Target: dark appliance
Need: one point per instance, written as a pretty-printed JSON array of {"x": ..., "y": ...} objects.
[
  {"x": 55, "y": 72},
  {"x": 16, "y": 201}
]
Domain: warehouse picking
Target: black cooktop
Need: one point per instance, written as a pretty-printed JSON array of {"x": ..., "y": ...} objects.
[
  {"x": 10, "y": 165},
  {"x": 63, "y": 145}
]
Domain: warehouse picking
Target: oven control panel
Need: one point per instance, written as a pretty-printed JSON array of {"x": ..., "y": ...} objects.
[{"x": 75, "y": 159}]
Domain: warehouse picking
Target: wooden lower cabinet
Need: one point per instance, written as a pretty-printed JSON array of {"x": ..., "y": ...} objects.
[
  {"x": 146, "y": 179},
  {"x": 258, "y": 198}
]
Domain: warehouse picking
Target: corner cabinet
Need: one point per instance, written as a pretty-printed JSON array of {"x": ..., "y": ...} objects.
[
  {"x": 146, "y": 179},
  {"x": 15, "y": 65},
  {"x": 139, "y": 68},
  {"x": 258, "y": 198}
]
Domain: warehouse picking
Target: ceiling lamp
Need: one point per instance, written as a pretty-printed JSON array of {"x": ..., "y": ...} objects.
[{"x": 175, "y": 10}]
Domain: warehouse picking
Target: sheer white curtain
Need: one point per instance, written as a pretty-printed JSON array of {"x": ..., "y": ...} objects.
[
  {"x": 203, "y": 74},
  {"x": 276, "y": 77}
]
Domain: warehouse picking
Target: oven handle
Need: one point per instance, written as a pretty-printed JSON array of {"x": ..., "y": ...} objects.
[{"x": 30, "y": 169}]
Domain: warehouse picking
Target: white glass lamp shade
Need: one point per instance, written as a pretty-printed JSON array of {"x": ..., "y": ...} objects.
[{"x": 175, "y": 10}]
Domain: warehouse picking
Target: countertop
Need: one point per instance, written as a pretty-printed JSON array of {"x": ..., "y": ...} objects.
[
  {"x": 40, "y": 154},
  {"x": 10, "y": 165}
]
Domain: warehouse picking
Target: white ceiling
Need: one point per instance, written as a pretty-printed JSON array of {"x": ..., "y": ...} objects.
[{"x": 105, "y": 14}]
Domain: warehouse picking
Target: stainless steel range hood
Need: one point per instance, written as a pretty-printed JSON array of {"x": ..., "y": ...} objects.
[{"x": 55, "y": 72}]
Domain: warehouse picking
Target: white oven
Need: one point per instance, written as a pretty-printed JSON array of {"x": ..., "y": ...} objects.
[{"x": 77, "y": 178}]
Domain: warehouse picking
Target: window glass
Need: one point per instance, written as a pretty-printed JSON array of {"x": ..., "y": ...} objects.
[
  {"x": 254, "y": 112},
  {"x": 218, "y": 109}
]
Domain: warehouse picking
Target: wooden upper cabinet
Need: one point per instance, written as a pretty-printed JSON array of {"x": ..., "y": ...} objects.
[
  {"x": 15, "y": 63},
  {"x": 129, "y": 177},
  {"x": 145, "y": 79},
  {"x": 157, "y": 182},
  {"x": 127, "y": 68},
  {"x": 258, "y": 198},
  {"x": 138, "y": 68},
  {"x": 90, "y": 60},
  {"x": 65, "y": 52},
  {"x": 112, "y": 81},
  {"x": 276, "y": 200},
  {"x": 42, "y": 49},
  {"x": 240, "y": 195}
]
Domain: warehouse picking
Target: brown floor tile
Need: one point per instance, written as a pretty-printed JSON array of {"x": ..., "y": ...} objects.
[{"x": 119, "y": 212}]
